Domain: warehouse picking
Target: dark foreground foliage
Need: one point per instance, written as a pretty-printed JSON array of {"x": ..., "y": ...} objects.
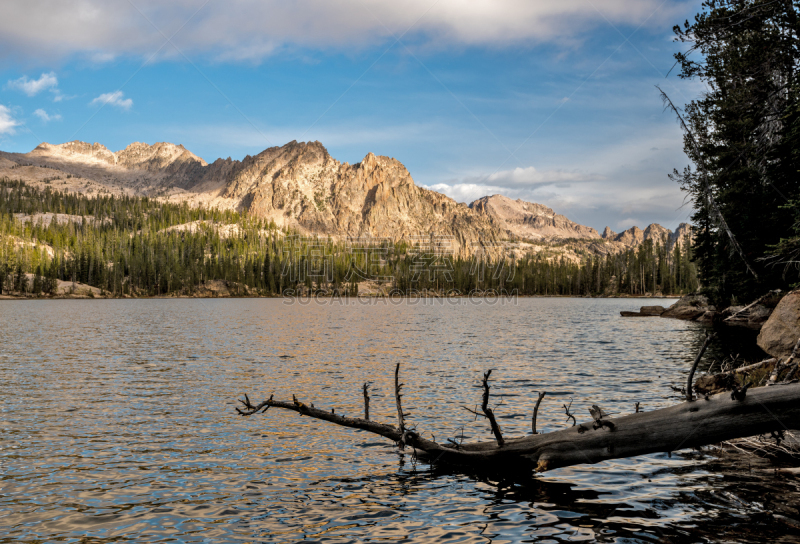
[{"x": 743, "y": 138}]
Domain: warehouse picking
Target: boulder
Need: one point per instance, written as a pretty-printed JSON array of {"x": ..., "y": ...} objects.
[
  {"x": 645, "y": 311},
  {"x": 689, "y": 307},
  {"x": 652, "y": 310},
  {"x": 782, "y": 330},
  {"x": 708, "y": 316}
]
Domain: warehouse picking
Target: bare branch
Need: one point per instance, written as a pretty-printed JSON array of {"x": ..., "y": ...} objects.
[
  {"x": 488, "y": 411},
  {"x": 471, "y": 411},
  {"x": 566, "y": 410},
  {"x": 536, "y": 411},
  {"x": 690, "y": 380},
  {"x": 397, "y": 396},
  {"x": 366, "y": 402}
]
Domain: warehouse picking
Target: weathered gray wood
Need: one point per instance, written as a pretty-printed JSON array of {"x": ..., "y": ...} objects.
[
  {"x": 686, "y": 425},
  {"x": 759, "y": 299},
  {"x": 690, "y": 380},
  {"x": 748, "y": 368}
]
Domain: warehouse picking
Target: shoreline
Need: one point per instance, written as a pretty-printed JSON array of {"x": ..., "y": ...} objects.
[{"x": 331, "y": 297}]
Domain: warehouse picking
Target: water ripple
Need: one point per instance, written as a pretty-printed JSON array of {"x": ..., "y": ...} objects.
[{"x": 118, "y": 425}]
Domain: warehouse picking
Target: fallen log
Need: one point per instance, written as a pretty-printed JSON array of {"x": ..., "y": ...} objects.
[
  {"x": 691, "y": 424},
  {"x": 759, "y": 299}
]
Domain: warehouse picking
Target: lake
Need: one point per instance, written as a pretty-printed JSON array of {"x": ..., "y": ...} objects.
[{"x": 118, "y": 424}]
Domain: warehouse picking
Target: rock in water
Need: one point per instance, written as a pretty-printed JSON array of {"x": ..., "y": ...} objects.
[
  {"x": 688, "y": 307},
  {"x": 645, "y": 311},
  {"x": 781, "y": 331}
]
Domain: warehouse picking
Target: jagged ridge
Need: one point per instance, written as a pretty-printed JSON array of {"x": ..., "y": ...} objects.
[{"x": 300, "y": 185}]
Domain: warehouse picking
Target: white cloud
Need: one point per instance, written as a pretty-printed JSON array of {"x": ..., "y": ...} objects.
[
  {"x": 526, "y": 183},
  {"x": 628, "y": 222},
  {"x": 619, "y": 184},
  {"x": 44, "y": 116},
  {"x": 254, "y": 29},
  {"x": 531, "y": 177},
  {"x": 594, "y": 203},
  {"x": 7, "y": 122},
  {"x": 113, "y": 99},
  {"x": 32, "y": 87}
]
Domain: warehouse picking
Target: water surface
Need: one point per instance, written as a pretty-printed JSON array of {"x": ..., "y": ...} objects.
[{"x": 118, "y": 424}]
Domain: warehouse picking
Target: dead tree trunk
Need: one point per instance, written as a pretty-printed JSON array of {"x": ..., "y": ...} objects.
[{"x": 691, "y": 424}]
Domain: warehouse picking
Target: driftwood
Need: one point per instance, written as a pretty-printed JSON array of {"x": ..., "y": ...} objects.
[
  {"x": 692, "y": 424},
  {"x": 759, "y": 299},
  {"x": 748, "y": 368}
]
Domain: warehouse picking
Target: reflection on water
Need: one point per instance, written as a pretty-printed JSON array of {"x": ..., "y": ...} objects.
[{"x": 118, "y": 425}]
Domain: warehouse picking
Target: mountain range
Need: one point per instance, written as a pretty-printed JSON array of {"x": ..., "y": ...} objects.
[{"x": 300, "y": 186}]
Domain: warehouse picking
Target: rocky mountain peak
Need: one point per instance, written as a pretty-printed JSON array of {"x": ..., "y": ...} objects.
[
  {"x": 654, "y": 230},
  {"x": 76, "y": 150},
  {"x": 608, "y": 234},
  {"x": 682, "y": 234},
  {"x": 635, "y": 236},
  {"x": 155, "y": 157},
  {"x": 529, "y": 220}
]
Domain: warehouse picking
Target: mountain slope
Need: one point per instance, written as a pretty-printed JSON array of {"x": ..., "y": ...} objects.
[{"x": 529, "y": 221}]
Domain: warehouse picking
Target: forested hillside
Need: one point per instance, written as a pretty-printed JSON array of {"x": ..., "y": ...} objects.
[{"x": 137, "y": 246}]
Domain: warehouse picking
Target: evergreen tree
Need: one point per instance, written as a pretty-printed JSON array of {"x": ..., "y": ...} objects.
[{"x": 741, "y": 136}]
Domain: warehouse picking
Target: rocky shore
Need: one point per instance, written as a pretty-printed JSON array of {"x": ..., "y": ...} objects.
[{"x": 776, "y": 315}]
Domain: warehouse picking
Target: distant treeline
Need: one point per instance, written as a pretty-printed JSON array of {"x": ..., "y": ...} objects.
[{"x": 126, "y": 246}]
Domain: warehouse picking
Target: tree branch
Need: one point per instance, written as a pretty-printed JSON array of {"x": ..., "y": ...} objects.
[
  {"x": 690, "y": 380},
  {"x": 536, "y": 411},
  {"x": 488, "y": 411},
  {"x": 366, "y": 402}
]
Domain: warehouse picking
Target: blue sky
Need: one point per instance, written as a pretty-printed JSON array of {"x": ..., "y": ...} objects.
[{"x": 549, "y": 101}]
